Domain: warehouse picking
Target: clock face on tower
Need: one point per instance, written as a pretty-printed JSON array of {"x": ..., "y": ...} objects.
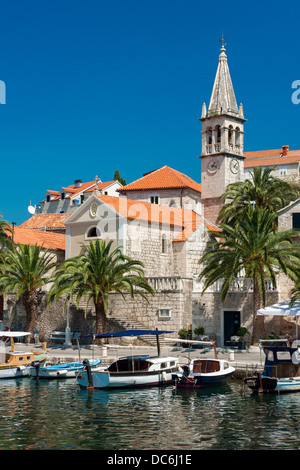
[
  {"x": 234, "y": 165},
  {"x": 212, "y": 167}
]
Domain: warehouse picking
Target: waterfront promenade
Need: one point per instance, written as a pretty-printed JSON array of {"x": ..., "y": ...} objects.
[{"x": 244, "y": 361}]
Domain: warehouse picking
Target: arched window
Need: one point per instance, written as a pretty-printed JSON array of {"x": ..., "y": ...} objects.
[
  {"x": 237, "y": 135},
  {"x": 218, "y": 133},
  {"x": 230, "y": 135},
  {"x": 92, "y": 233},
  {"x": 209, "y": 135}
]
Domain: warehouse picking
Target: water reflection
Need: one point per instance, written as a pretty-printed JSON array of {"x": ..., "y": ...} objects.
[{"x": 58, "y": 415}]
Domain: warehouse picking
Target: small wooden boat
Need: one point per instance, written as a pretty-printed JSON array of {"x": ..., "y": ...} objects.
[
  {"x": 203, "y": 373},
  {"x": 60, "y": 371},
  {"x": 17, "y": 363},
  {"x": 130, "y": 371},
  {"x": 281, "y": 371}
]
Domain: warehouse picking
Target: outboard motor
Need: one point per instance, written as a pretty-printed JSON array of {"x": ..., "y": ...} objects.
[
  {"x": 36, "y": 365},
  {"x": 186, "y": 371},
  {"x": 87, "y": 365}
]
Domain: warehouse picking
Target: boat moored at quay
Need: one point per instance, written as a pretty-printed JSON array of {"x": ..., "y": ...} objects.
[
  {"x": 200, "y": 372},
  {"x": 17, "y": 363},
  {"x": 130, "y": 371},
  {"x": 281, "y": 371},
  {"x": 59, "y": 371}
]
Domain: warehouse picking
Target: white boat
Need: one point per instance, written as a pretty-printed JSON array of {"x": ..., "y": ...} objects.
[
  {"x": 17, "y": 363},
  {"x": 281, "y": 371},
  {"x": 60, "y": 371},
  {"x": 201, "y": 373},
  {"x": 130, "y": 371}
]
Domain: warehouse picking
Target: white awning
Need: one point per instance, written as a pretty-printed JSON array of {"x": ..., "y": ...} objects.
[{"x": 282, "y": 309}]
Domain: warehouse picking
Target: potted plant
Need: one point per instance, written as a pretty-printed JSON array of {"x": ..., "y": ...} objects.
[
  {"x": 242, "y": 332},
  {"x": 183, "y": 334},
  {"x": 199, "y": 331}
]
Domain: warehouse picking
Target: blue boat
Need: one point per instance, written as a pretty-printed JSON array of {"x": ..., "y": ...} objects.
[
  {"x": 60, "y": 371},
  {"x": 281, "y": 371}
]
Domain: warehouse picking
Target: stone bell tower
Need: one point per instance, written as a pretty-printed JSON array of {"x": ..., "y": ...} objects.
[{"x": 222, "y": 157}]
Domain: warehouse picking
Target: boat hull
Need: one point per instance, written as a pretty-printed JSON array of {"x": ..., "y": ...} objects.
[
  {"x": 60, "y": 371},
  {"x": 199, "y": 381},
  {"x": 104, "y": 379},
  {"x": 14, "y": 372},
  {"x": 266, "y": 384}
]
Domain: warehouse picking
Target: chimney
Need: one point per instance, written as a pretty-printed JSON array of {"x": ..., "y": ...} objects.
[
  {"x": 285, "y": 149},
  {"x": 77, "y": 183}
]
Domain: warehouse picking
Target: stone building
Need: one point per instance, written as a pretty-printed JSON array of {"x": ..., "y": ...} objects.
[
  {"x": 286, "y": 162},
  {"x": 164, "y": 219}
]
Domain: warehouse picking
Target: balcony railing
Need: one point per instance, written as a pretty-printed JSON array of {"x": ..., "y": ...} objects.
[
  {"x": 168, "y": 283},
  {"x": 239, "y": 285}
]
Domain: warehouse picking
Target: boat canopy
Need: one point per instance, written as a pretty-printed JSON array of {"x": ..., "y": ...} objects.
[
  {"x": 14, "y": 334},
  {"x": 129, "y": 333}
]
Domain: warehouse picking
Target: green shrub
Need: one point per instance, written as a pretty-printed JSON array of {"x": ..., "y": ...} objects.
[
  {"x": 271, "y": 335},
  {"x": 199, "y": 330},
  {"x": 242, "y": 331},
  {"x": 183, "y": 333}
]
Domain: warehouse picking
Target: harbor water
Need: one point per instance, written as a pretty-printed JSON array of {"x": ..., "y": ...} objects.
[{"x": 57, "y": 415}]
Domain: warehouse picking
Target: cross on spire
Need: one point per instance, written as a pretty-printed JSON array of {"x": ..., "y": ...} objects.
[{"x": 223, "y": 40}]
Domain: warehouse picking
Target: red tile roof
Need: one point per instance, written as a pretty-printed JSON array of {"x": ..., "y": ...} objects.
[
  {"x": 51, "y": 240},
  {"x": 85, "y": 187},
  {"x": 46, "y": 221},
  {"x": 133, "y": 209},
  {"x": 271, "y": 157},
  {"x": 163, "y": 178}
]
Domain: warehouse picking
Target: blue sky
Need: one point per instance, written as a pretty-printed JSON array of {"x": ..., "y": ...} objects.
[{"x": 96, "y": 86}]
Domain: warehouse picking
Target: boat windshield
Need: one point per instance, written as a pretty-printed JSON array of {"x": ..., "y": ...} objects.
[
  {"x": 129, "y": 364},
  {"x": 203, "y": 366}
]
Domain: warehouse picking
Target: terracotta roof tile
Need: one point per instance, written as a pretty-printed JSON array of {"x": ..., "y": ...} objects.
[
  {"x": 163, "y": 178},
  {"x": 46, "y": 221},
  {"x": 132, "y": 209},
  {"x": 270, "y": 157},
  {"x": 51, "y": 240}
]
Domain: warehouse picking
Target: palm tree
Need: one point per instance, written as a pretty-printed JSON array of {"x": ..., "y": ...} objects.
[
  {"x": 255, "y": 249},
  {"x": 97, "y": 272},
  {"x": 5, "y": 242},
  {"x": 5, "y": 229},
  {"x": 295, "y": 293},
  {"x": 24, "y": 270},
  {"x": 262, "y": 189}
]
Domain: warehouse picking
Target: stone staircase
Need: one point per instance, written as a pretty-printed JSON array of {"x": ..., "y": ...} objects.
[
  {"x": 148, "y": 340},
  {"x": 120, "y": 325}
]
